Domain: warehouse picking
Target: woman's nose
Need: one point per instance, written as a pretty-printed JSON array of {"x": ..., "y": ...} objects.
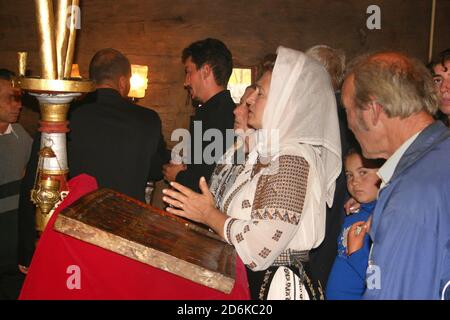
[{"x": 251, "y": 99}]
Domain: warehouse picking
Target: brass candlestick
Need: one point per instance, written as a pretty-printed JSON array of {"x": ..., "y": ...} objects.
[{"x": 55, "y": 91}]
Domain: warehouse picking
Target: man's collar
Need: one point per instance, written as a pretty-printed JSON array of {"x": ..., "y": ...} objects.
[
  {"x": 216, "y": 97},
  {"x": 9, "y": 130},
  {"x": 431, "y": 136},
  {"x": 108, "y": 91},
  {"x": 107, "y": 94},
  {"x": 387, "y": 170}
]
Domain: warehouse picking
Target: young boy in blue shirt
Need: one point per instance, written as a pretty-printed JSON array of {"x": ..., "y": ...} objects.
[{"x": 348, "y": 274}]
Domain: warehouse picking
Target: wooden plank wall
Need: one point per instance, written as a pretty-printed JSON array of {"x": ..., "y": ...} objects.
[{"x": 154, "y": 32}]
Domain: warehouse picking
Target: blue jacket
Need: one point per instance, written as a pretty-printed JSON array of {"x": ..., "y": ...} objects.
[
  {"x": 410, "y": 230},
  {"x": 347, "y": 280}
]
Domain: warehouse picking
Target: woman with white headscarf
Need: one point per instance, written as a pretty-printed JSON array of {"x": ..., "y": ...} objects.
[{"x": 274, "y": 213}]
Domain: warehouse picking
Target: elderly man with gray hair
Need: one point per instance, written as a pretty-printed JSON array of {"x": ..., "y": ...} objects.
[{"x": 390, "y": 101}]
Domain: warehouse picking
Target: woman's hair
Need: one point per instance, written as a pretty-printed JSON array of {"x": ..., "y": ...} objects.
[
  {"x": 367, "y": 163},
  {"x": 267, "y": 64}
]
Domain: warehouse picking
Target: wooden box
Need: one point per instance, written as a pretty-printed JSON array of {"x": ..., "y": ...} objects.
[{"x": 128, "y": 227}]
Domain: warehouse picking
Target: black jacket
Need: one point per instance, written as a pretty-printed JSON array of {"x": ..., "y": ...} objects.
[
  {"x": 216, "y": 113},
  {"x": 116, "y": 142}
]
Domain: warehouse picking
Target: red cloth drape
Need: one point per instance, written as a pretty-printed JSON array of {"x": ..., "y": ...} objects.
[{"x": 105, "y": 274}]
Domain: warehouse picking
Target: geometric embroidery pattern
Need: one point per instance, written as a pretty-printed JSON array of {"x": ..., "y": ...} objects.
[
  {"x": 229, "y": 228},
  {"x": 281, "y": 196},
  {"x": 258, "y": 167},
  {"x": 277, "y": 235},
  {"x": 265, "y": 253},
  {"x": 239, "y": 237},
  {"x": 288, "y": 257},
  {"x": 264, "y": 285},
  {"x": 246, "y": 204},
  {"x": 218, "y": 168},
  {"x": 275, "y": 214},
  {"x": 226, "y": 179},
  {"x": 231, "y": 196}
]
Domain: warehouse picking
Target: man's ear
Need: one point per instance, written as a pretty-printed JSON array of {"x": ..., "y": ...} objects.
[
  {"x": 206, "y": 71},
  {"x": 375, "y": 111},
  {"x": 124, "y": 86}
]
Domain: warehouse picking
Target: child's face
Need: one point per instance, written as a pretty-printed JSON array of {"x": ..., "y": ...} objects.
[{"x": 362, "y": 183}]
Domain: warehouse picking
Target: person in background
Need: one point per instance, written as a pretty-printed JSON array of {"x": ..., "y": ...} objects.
[
  {"x": 441, "y": 77},
  {"x": 112, "y": 139},
  {"x": 347, "y": 280},
  {"x": 208, "y": 66},
  {"x": 233, "y": 161},
  {"x": 15, "y": 147}
]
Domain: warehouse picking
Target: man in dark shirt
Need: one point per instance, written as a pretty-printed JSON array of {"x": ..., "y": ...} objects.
[
  {"x": 208, "y": 66},
  {"x": 113, "y": 139}
]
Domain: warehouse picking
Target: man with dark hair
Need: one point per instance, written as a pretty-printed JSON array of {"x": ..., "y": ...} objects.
[
  {"x": 113, "y": 139},
  {"x": 15, "y": 145},
  {"x": 208, "y": 66},
  {"x": 214, "y": 53},
  {"x": 440, "y": 69}
]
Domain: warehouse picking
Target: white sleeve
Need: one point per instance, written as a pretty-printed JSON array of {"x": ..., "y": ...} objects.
[{"x": 276, "y": 212}]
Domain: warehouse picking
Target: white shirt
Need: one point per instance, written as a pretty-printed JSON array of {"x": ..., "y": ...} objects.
[
  {"x": 8, "y": 130},
  {"x": 387, "y": 170}
]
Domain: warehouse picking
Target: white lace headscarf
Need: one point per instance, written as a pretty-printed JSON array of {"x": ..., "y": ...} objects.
[{"x": 302, "y": 106}]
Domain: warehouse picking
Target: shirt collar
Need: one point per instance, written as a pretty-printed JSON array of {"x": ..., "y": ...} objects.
[
  {"x": 9, "y": 130},
  {"x": 387, "y": 170},
  {"x": 217, "y": 97}
]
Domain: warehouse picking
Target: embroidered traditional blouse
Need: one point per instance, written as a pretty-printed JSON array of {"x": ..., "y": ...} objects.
[{"x": 266, "y": 205}]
